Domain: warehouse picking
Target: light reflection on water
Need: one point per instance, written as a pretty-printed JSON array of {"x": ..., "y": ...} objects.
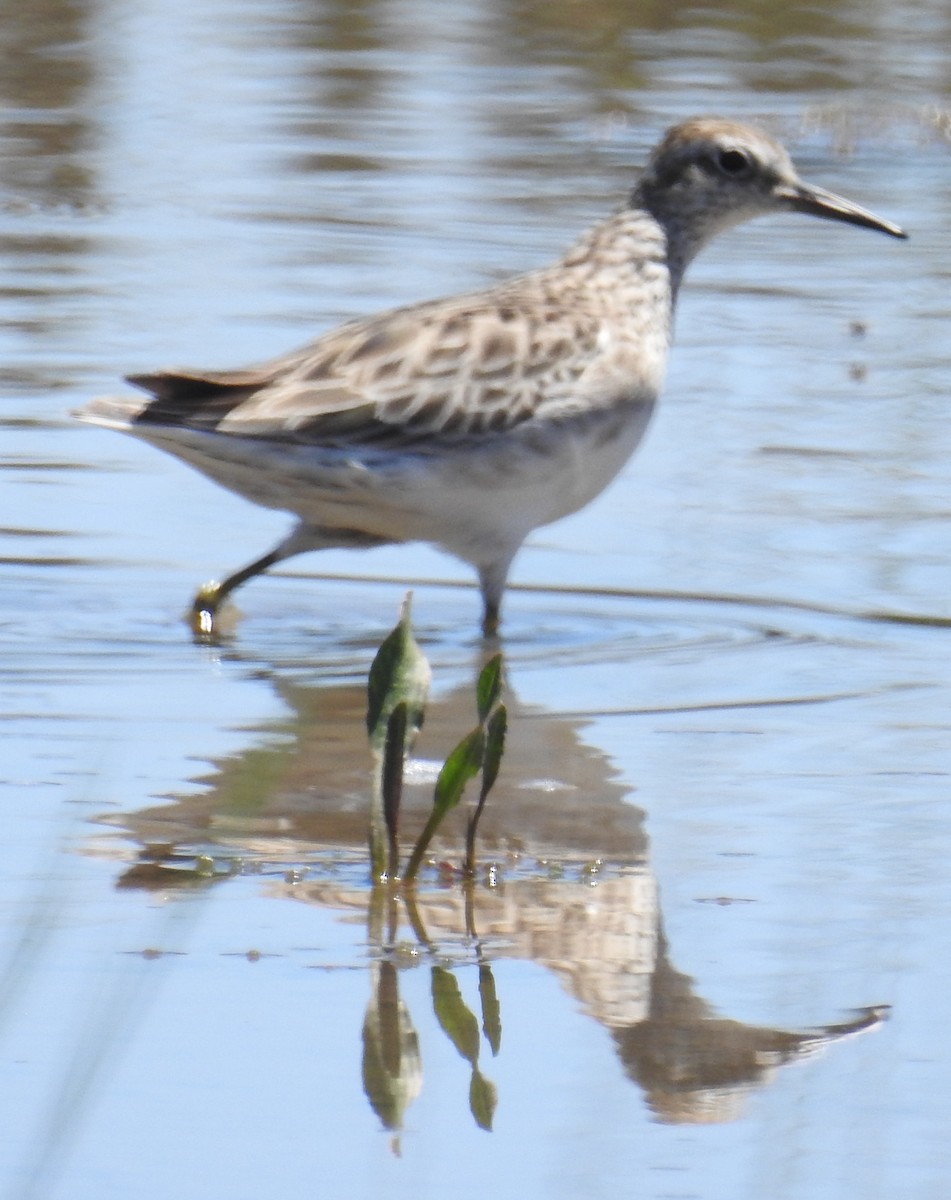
[{"x": 212, "y": 186}]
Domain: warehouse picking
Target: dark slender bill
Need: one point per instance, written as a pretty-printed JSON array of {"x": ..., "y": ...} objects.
[{"x": 817, "y": 202}]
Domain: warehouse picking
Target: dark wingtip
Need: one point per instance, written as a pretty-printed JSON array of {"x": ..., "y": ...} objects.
[{"x": 155, "y": 384}]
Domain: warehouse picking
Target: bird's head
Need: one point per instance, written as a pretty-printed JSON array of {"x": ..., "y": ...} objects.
[{"x": 709, "y": 174}]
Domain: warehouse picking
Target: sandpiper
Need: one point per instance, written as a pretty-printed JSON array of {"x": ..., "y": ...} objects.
[{"x": 470, "y": 421}]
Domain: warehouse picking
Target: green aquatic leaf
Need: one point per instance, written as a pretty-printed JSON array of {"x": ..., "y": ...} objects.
[
  {"x": 400, "y": 672},
  {"x": 463, "y": 764},
  {"x": 489, "y": 687},
  {"x": 397, "y": 689},
  {"x": 493, "y": 749},
  {"x": 495, "y": 731}
]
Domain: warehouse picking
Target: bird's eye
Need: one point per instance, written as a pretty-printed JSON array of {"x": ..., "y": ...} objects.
[{"x": 734, "y": 163}]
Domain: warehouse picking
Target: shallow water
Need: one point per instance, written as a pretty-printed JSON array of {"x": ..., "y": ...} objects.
[{"x": 722, "y": 819}]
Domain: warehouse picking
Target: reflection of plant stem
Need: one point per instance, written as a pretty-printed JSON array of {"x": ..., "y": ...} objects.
[
  {"x": 376, "y": 912},
  {"x": 382, "y": 916},
  {"x": 488, "y": 996},
  {"x": 415, "y": 920},
  {"x": 468, "y": 893},
  {"x": 392, "y": 915},
  {"x": 392, "y": 1065}
]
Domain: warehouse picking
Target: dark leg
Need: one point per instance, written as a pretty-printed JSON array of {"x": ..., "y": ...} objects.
[
  {"x": 491, "y": 620},
  {"x": 204, "y": 611},
  {"x": 492, "y": 585},
  {"x": 210, "y": 596}
]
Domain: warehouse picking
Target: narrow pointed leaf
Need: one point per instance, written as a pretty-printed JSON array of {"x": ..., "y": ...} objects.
[
  {"x": 495, "y": 732},
  {"x": 493, "y": 748},
  {"x": 462, "y": 764},
  {"x": 400, "y": 671},
  {"x": 489, "y": 687},
  {"x": 383, "y": 674}
]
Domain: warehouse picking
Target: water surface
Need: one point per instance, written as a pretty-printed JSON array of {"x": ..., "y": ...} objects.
[{"x": 721, "y": 830}]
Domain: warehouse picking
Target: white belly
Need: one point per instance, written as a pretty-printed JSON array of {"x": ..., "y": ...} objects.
[{"x": 471, "y": 499}]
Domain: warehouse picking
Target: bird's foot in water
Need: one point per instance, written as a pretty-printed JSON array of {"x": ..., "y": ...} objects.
[{"x": 205, "y": 618}]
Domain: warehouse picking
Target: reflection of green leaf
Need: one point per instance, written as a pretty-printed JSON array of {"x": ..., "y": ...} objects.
[
  {"x": 491, "y": 1012},
  {"x": 489, "y": 687},
  {"x": 483, "y": 1098},
  {"x": 457, "y": 1021},
  {"x": 392, "y": 1070}
]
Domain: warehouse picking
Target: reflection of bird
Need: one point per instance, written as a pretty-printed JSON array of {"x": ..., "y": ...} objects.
[
  {"x": 698, "y": 1068},
  {"x": 468, "y": 422}
]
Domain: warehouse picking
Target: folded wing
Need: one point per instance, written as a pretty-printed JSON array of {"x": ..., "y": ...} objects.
[{"x": 447, "y": 370}]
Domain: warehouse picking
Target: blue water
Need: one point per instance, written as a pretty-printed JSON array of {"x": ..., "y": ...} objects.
[{"x": 729, "y": 676}]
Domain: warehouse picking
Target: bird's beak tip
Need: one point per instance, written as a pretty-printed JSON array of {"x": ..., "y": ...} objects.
[{"x": 817, "y": 202}]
